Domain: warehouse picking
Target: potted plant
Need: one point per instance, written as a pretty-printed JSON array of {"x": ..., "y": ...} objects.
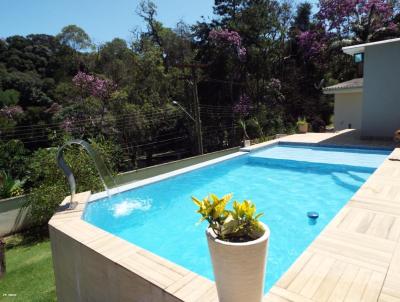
[
  {"x": 246, "y": 139},
  {"x": 238, "y": 244},
  {"x": 302, "y": 125}
]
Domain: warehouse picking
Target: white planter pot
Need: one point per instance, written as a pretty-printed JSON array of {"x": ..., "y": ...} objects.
[
  {"x": 247, "y": 143},
  {"x": 239, "y": 268}
]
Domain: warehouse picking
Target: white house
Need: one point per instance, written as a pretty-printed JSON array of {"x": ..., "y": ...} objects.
[{"x": 372, "y": 103}]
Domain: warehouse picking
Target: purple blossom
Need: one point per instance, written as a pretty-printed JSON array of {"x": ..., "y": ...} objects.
[
  {"x": 230, "y": 38},
  {"x": 92, "y": 85},
  {"x": 275, "y": 84},
  {"x": 311, "y": 43},
  {"x": 336, "y": 12},
  {"x": 382, "y": 8},
  {"x": 243, "y": 106},
  {"x": 242, "y": 53},
  {"x": 67, "y": 125},
  {"x": 342, "y": 15},
  {"x": 11, "y": 111}
]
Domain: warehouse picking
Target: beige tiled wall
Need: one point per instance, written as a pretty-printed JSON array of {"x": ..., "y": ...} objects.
[{"x": 82, "y": 274}]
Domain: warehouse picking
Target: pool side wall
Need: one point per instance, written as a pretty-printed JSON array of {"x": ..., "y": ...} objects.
[{"x": 93, "y": 265}]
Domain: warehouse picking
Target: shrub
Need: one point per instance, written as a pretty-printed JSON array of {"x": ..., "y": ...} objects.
[
  {"x": 254, "y": 129},
  {"x": 13, "y": 158},
  {"x": 318, "y": 125}
]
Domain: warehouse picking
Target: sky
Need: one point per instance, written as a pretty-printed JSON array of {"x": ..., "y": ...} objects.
[{"x": 103, "y": 20}]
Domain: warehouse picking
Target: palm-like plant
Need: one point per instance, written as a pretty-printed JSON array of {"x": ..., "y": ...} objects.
[
  {"x": 243, "y": 125},
  {"x": 10, "y": 187}
]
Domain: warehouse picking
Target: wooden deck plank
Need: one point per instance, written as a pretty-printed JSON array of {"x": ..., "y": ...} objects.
[
  {"x": 270, "y": 297},
  {"x": 288, "y": 277},
  {"x": 343, "y": 286},
  {"x": 289, "y": 295},
  {"x": 373, "y": 288},
  {"x": 305, "y": 274},
  {"x": 317, "y": 277},
  {"x": 358, "y": 285},
  {"x": 387, "y": 298},
  {"x": 367, "y": 255},
  {"x": 329, "y": 283}
]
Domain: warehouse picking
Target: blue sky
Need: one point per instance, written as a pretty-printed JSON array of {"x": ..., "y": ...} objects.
[{"x": 103, "y": 20}]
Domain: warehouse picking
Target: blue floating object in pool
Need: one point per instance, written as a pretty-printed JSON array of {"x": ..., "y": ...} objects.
[{"x": 312, "y": 215}]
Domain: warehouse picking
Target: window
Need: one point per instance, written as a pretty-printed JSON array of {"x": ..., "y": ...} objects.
[{"x": 359, "y": 57}]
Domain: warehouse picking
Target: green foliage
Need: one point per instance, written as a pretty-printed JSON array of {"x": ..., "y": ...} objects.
[
  {"x": 302, "y": 19},
  {"x": 239, "y": 224},
  {"x": 244, "y": 222},
  {"x": 301, "y": 121},
  {"x": 9, "y": 97},
  {"x": 254, "y": 128},
  {"x": 13, "y": 158},
  {"x": 243, "y": 126},
  {"x": 10, "y": 187},
  {"x": 75, "y": 37}
]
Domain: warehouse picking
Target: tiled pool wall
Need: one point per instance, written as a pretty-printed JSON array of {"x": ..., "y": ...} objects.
[{"x": 93, "y": 265}]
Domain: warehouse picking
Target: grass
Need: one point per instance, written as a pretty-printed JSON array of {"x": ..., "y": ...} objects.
[{"x": 29, "y": 275}]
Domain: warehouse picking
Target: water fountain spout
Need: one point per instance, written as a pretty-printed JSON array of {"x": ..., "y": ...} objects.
[{"x": 105, "y": 175}]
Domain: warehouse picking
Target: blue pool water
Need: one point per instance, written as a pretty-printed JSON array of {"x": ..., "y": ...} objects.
[
  {"x": 330, "y": 155},
  {"x": 284, "y": 181}
]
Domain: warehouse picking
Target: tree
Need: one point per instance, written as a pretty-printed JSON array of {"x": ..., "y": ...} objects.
[
  {"x": 75, "y": 37},
  {"x": 229, "y": 11},
  {"x": 116, "y": 61},
  {"x": 361, "y": 20},
  {"x": 302, "y": 19}
]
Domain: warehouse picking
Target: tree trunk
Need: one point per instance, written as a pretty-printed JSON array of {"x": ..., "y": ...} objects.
[{"x": 2, "y": 258}]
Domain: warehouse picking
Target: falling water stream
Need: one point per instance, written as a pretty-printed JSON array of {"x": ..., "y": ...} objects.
[{"x": 105, "y": 174}]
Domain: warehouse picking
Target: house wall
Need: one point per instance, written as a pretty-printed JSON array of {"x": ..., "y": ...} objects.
[
  {"x": 381, "y": 103},
  {"x": 348, "y": 110}
]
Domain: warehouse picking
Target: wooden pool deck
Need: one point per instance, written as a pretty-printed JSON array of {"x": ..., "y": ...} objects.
[{"x": 355, "y": 258}]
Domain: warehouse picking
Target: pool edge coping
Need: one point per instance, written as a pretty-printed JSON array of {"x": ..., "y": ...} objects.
[{"x": 184, "y": 281}]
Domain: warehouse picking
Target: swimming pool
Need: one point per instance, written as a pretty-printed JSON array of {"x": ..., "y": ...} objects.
[{"x": 161, "y": 218}]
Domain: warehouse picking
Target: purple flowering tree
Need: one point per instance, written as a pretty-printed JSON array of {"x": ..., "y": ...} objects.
[
  {"x": 94, "y": 86},
  {"x": 243, "y": 106},
  {"x": 343, "y": 22},
  {"x": 360, "y": 19},
  {"x": 229, "y": 38},
  {"x": 312, "y": 43},
  {"x": 90, "y": 87}
]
